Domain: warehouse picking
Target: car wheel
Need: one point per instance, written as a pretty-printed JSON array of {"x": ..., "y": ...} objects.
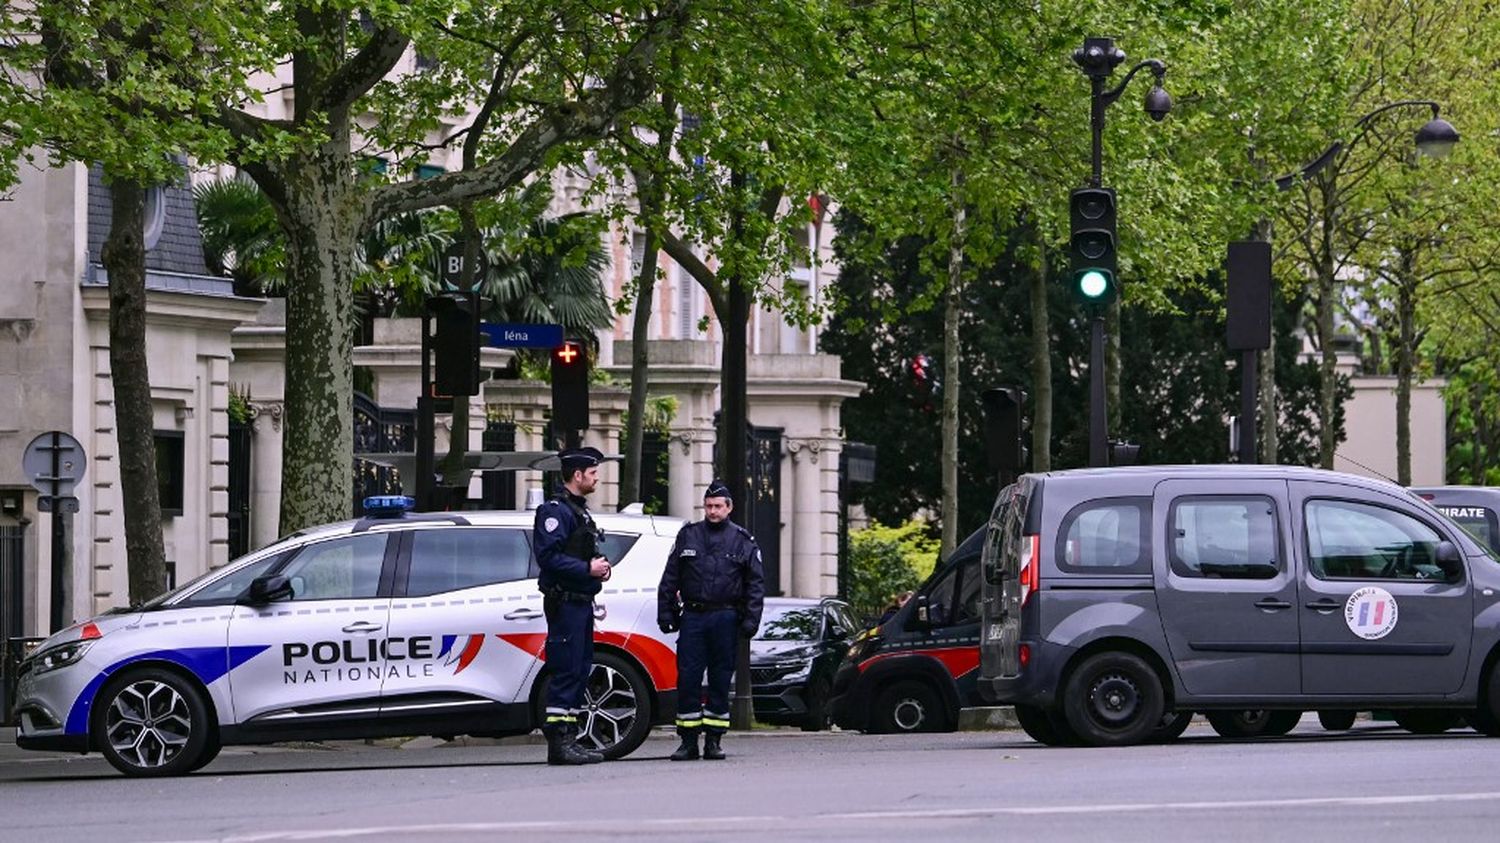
[
  {"x": 1044, "y": 727},
  {"x": 816, "y": 718},
  {"x": 153, "y": 722},
  {"x": 1427, "y": 721},
  {"x": 210, "y": 752},
  {"x": 1113, "y": 699},
  {"x": 1173, "y": 724},
  {"x": 1486, "y": 718},
  {"x": 909, "y": 706},
  {"x": 1337, "y": 721},
  {"x": 1249, "y": 723},
  {"x": 1281, "y": 722},
  {"x": 616, "y": 707}
]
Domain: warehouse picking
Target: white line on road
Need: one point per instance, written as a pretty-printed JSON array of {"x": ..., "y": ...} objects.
[{"x": 725, "y": 823}]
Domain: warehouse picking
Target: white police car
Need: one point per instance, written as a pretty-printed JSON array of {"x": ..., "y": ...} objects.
[{"x": 395, "y": 624}]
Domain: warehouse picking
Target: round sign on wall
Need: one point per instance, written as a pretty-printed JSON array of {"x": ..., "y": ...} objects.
[{"x": 1370, "y": 612}]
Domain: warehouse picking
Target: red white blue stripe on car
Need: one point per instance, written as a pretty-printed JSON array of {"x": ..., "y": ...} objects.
[{"x": 209, "y": 664}]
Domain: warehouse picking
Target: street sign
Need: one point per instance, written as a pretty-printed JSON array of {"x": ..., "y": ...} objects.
[
  {"x": 64, "y": 505},
  {"x": 511, "y": 335},
  {"x": 453, "y": 264},
  {"x": 54, "y": 463}
]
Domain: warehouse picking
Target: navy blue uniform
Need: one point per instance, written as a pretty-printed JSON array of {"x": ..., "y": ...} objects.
[
  {"x": 566, "y": 541},
  {"x": 711, "y": 590}
]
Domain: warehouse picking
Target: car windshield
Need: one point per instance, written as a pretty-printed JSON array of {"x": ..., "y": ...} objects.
[{"x": 790, "y": 623}]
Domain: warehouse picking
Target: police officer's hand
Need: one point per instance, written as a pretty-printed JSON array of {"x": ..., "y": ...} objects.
[
  {"x": 749, "y": 628},
  {"x": 667, "y": 625},
  {"x": 599, "y": 568}
]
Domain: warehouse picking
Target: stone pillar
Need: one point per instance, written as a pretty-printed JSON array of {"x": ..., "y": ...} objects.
[
  {"x": 265, "y": 472},
  {"x": 806, "y": 557}
]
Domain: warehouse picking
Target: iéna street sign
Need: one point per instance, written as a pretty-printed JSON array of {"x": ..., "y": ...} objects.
[{"x": 518, "y": 335}]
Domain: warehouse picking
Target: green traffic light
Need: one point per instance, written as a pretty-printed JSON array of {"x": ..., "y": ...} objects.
[{"x": 1093, "y": 284}]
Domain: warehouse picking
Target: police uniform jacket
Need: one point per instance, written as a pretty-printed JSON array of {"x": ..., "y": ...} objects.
[
  {"x": 719, "y": 567},
  {"x": 565, "y": 540}
]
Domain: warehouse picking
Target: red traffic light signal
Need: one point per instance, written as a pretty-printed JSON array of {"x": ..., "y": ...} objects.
[{"x": 570, "y": 387}]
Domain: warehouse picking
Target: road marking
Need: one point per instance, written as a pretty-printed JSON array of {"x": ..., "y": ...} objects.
[{"x": 770, "y": 821}]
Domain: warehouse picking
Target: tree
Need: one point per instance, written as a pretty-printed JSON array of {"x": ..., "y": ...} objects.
[{"x": 115, "y": 83}]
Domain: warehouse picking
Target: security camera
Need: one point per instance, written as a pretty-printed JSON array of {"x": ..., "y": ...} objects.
[{"x": 1158, "y": 103}]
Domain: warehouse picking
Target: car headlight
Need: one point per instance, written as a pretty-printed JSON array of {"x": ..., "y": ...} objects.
[
  {"x": 794, "y": 670},
  {"x": 59, "y": 656},
  {"x": 860, "y": 648}
]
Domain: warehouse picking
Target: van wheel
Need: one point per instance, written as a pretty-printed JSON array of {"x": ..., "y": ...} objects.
[
  {"x": 153, "y": 722},
  {"x": 1281, "y": 722},
  {"x": 1250, "y": 723},
  {"x": 1113, "y": 699},
  {"x": 1427, "y": 721},
  {"x": 1173, "y": 724},
  {"x": 1044, "y": 727},
  {"x": 1337, "y": 721},
  {"x": 909, "y": 706},
  {"x": 1486, "y": 718}
]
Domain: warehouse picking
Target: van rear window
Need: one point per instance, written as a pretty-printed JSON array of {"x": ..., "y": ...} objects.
[{"x": 1106, "y": 536}]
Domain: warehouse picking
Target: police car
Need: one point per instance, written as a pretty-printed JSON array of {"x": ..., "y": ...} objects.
[{"x": 394, "y": 624}]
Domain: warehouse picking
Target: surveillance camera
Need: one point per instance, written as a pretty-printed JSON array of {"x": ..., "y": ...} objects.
[{"x": 1158, "y": 103}]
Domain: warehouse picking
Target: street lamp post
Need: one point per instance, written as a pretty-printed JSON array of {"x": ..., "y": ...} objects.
[
  {"x": 1098, "y": 58},
  {"x": 1435, "y": 139}
]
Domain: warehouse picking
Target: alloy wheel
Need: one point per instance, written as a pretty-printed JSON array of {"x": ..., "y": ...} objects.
[
  {"x": 609, "y": 708},
  {"x": 148, "y": 723}
]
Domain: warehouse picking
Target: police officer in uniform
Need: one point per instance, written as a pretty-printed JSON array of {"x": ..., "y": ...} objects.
[
  {"x": 711, "y": 591},
  {"x": 572, "y": 572}
]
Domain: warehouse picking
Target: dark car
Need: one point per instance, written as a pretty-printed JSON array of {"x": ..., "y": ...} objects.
[{"x": 793, "y": 658}]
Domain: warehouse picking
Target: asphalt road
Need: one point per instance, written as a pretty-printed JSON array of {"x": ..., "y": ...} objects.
[{"x": 1373, "y": 784}]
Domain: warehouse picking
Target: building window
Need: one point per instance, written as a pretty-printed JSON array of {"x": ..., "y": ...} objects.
[
  {"x": 171, "y": 575},
  {"x": 155, "y": 217},
  {"x": 169, "y": 471},
  {"x": 427, "y": 171}
]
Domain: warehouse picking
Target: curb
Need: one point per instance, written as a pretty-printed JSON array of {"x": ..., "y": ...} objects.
[{"x": 987, "y": 719}]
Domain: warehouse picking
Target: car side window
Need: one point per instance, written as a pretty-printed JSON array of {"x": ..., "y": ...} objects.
[
  {"x": 338, "y": 569},
  {"x": 457, "y": 558},
  {"x": 1106, "y": 536},
  {"x": 228, "y": 588},
  {"x": 966, "y": 607},
  {"x": 1225, "y": 537},
  {"x": 940, "y": 600},
  {"x": 837, "y": 624},
  {"x": 1352, "y": 540}
]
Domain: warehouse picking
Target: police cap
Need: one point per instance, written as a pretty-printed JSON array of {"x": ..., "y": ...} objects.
[
  {"x": 577, "y": 459},
  {"x": 717, "y": 489}
]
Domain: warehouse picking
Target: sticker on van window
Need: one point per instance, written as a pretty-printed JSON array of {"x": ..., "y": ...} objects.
[{"x": 1370, "y": 613}]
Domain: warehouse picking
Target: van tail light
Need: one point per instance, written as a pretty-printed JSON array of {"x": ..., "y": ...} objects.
[
  {"x": 1024, "y": 655},
  {"x": 1031, "y": 564}
]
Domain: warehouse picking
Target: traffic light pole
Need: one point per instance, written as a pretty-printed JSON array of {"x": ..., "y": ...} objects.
[
  {"x": 1098, "y": 415},
  {"x": 1249, "y": 403}
]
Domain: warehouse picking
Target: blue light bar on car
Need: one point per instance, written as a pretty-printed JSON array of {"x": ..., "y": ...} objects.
[{"x": 388, "y": 506}]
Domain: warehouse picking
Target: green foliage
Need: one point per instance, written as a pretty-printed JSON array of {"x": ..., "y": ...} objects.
[{"x": 885, "y": 561}]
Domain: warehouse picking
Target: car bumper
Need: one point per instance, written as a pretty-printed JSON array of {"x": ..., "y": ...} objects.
[
  {"x": 847, "y": 705},
  {"x": 1036, "y": 684},
  {"x": 42, "y": 708},
  {"x": 775, "y": 702}
]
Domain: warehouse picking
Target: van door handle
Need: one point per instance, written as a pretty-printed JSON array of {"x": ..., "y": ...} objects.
[
  {"x": 1325, "y": 605},
  {"x": 1270, "y": 603},
  {"x": 527, "y": 614},
  {"x": 362, "y": 626}
]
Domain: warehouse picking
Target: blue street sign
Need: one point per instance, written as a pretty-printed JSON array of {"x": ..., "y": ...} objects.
[{"x": 508, "y": 335}]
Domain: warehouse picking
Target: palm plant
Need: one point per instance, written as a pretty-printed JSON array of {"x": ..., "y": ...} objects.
[
  {"x": 551, "y": 276},
  {"x": 241, "y": 237}
]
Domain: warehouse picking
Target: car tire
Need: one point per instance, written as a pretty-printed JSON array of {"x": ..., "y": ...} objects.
[
  {"x": 1282, "y": 722},
  {"x": 909, "y": 706},
  {"x": 1113, "y": 699},
  {"x": 1173, "y": 724},
  {"x": 153, "y": 722},
  {"x": 616, "y": 707},
  {"x": 1247, "y": 723},
  {"x": 1044, "y": 726},
  {"x": 1341, "y": 720},
  {"x": 1486, "y": 718},
  {"x": 210, "y": 752},
  {"x": 816, "y": 718},
  {"x": 1429, "y": 721}
]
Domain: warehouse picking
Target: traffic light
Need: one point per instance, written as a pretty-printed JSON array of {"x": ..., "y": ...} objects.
[
  {"x": 570, "y": 387},
  {"x": 1004, "y": 445},
  {"x": 455, "y": 344},
  {"x": 924, "y": 380},
  {"x": 1091, "y": 248}
]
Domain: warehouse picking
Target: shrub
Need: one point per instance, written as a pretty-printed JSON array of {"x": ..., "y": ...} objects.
[{"x": 884, "y": 561}]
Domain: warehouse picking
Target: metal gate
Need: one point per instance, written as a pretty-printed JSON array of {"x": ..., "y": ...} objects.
[
  {"x": 239, "y": 489},
  {"x": 12, "y": 602},
  {"x": 379, "y": 430},
  {"x": 654, "y": 458},
  {"x": 763, "y": 507}
]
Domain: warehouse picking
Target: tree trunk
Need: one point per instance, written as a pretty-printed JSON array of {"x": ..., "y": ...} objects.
[
  {"x": 318, "y": 460},
  {"x": 124, "y": 258},
  {"x": 952, "y": 356},
  {"x": 1328, "y": 382},
  {"x": 631, "y": 487},
  {"x": 1406, "y": 352},
  {"x": 1041, "y": 364}
]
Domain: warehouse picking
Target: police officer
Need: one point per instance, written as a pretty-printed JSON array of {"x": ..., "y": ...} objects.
[
  {"x": 711, "y": 590},
  {"x": 566, "y": 543}
]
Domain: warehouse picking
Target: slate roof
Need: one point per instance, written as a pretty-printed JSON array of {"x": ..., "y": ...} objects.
[{"x": 176, "y": 260}]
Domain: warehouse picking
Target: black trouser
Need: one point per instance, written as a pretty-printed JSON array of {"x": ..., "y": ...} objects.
[
  {"x": 570, "y": 656},
  {"x": 705, "y": 641}
]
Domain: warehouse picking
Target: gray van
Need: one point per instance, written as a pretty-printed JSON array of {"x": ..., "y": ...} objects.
[
  {"x": 1474, "y": 508},
  {"x": 1115, "y": 599}
]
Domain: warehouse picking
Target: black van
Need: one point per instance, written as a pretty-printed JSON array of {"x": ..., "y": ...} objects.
[
  {"x": 915, "y": 671},
  {"x": 1114, "y": 597}
]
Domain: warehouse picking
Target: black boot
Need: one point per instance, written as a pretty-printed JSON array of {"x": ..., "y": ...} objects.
[
  {"x": 563, "y": 748},
  {"x": 711, "y": 749},
  {"x": 689, "y": 749}
]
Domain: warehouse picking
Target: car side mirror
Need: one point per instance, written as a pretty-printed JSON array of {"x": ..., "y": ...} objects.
[
  {"x": 1449, "y": 560},
  {"x": 268, "y": 589},
  {"x": 920, "y": 616}
]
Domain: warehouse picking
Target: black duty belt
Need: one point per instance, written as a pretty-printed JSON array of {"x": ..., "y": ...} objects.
[
  {"x": 568, "y": 596},
  {"x": 701, "y": 606}
]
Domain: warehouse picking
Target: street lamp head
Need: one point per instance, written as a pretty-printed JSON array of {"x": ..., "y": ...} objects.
[
  {"x": 1158, "y": 102},
  {"x": 1436, "y": 138}
]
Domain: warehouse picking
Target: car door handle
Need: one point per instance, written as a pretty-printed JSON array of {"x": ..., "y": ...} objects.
[
  {"x": 1272, "y": 603},
  {"x": 1325, "y": 605},
  {"x": 527, "y": 614},
  {"x": 362, "y": 626}
]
